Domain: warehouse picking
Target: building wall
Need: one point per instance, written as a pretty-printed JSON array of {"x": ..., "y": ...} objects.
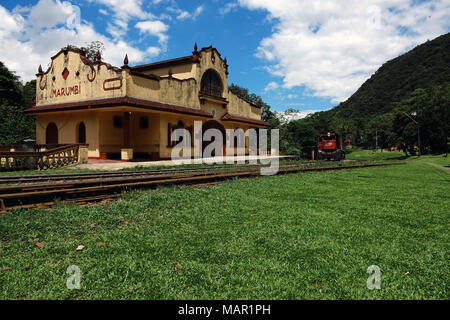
[
  {"x": 182, "y": 90},
  {"x": 183, "y": 71},
  {"x": 111, "y": 139},
  {"x": 102, "y": 137},
  {"x": 146, "y": 140},
  {"x": 86, "y": 81},
  {"x": 186, "y": 92},
  {"x": 165, "y": 119},
  {"x": 183, "y": 93},
  {"x": 67, "y": 124},
  {"x": 79, "y": 86},
  {"x": 142, "y": 87}
]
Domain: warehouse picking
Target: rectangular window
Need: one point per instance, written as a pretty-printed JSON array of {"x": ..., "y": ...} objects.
[
  {"x": 143, "y": 122},
  {"x": 117, "y": 122}
]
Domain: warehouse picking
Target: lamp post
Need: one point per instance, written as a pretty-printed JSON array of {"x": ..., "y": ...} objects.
[{"x": 418, "y": 127}]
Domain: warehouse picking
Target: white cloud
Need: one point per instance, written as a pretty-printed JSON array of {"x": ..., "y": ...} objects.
[
  {"x": 271, "y": 86},
  {"x": 197, "y": 12},
  {"x": 23, "y": 46},
  {"x": 49, "y": 13},
  {"x": 155, "y": 28},
  {"x": 10, "y": 22},
  {"x": 332, "y": 47},
  {"x": 183, "y": 14},
  {"x": 228, "y": 7},
  {"x": 123, "y": 12},
  {"x": 153, "y": 51}
]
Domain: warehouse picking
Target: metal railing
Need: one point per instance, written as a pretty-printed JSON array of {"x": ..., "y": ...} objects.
[{"x": 215, "y": 91}]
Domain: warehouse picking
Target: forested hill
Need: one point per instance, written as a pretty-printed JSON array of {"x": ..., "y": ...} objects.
[
  {"x": 405, "y": 97},
  {"x": 426, "y": 65}
]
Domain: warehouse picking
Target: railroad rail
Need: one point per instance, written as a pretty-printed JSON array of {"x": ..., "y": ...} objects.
[
  {"x": 6, "y": 180},
  {"x": 97, "y": 187},
  {"x": 38, "y": 178}
]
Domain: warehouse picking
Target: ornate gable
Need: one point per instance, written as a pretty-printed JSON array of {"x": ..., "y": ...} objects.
[{"x": 73, "y": 77}]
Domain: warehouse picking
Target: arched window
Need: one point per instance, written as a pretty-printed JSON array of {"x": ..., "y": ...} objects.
[
  {"x": 213, "y": 124},
  {"x": 51, "y": 134},
  {"x": 81, "y": 133},
  {"x": 211, "y": 84}
]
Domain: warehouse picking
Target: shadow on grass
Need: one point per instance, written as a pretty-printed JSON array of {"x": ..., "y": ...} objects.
[{"x": 399, "y": 158}]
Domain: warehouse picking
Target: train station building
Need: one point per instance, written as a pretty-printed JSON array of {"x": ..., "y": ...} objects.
[{"x": 131, "y": 111}]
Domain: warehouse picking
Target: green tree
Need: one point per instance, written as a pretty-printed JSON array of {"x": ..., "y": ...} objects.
[
  {"x": 10, "y": 87},
  {"x": 29, "y": 94},
  {"x": 266, "y": 114},
  {"x": 16, "y": 125},
  {"x": 298, "y": 138},
  {"x": 379, "y": 131},
  {"x": 91, "y": 49},
  {"x": 424, "y": 114},
  {"x": 14, "y": 99}
]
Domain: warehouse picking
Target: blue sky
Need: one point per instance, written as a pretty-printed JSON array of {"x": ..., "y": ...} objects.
[{"x": 307, "y": 55}]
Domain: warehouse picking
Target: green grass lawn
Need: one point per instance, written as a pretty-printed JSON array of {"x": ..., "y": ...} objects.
[
  {"x": 300, "y": 236},
  {"x": 359, "y": 154},
  {"x": 439, "y": 159}
]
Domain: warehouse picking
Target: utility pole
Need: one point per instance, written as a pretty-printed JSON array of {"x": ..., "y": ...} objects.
[
  {"x": 418, "y": 138},
  {"x": 418, "y": 128},
  {"x": 376, "y": 139}
]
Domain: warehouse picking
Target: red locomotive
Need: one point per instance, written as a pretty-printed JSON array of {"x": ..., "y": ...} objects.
[{"x": 330, "y": 147}]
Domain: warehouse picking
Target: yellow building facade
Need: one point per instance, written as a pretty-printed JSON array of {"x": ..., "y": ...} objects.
[{"x": 131, "y": 111}]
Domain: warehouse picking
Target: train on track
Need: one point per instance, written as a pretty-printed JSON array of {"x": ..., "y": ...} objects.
[{"x": 329, "y": 147}]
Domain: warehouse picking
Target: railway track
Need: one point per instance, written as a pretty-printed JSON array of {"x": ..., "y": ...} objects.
[
  {"x": 93, "y": 187},
  {"x": 39, "y": 178},
  {"x": 8, "y": 180}
]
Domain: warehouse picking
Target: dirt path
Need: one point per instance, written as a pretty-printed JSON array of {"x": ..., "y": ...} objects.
[{"x": 439, "y": 167}]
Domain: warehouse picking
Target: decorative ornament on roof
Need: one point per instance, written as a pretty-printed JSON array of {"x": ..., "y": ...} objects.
[
  {"x": 125, "y": 61},
  {"x": 195, "y": 53},
  {"x": 225, "y": 64}
]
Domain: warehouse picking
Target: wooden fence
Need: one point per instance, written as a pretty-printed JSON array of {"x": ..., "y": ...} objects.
[{"x": 50, "y": 158}]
